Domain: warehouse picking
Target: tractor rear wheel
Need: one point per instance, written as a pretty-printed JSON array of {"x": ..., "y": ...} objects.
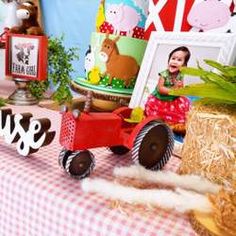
[
  {"x": 80, "y": 164},
  {"x": 153, "y": 145},
  {"x": 119, "y": 150}
]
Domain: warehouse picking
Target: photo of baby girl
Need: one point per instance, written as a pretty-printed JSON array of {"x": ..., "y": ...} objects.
[
  {"x": 160, "y": 72},
  {"x": 171, "y": 109}
]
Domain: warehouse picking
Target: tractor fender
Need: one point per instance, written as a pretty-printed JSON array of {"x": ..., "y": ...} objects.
[{"x": 138, "y": 128}]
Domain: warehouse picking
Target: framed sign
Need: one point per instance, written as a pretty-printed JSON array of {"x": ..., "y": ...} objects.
[{"x": 26, "y": 56}]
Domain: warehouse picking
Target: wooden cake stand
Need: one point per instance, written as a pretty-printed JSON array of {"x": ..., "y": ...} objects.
[
  {"x": 205, "y": 225},
  {"x": 104, "y": 98}
]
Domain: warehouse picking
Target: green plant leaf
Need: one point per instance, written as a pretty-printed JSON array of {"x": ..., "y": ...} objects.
[
  {"x": 193, "y": 71},
  {"x": 2, "y": 102},
  {"x": 60, "y": 67},
  {"x": 217, "y": 79},
  {"x": 205, "y": 101},
  {"x": 215, "y": 65},
  {"x": 38, "y": 88},
  {"x": 197, "y": 72},
  {"x": 206, "y": 90},
  {"x": 219, "y": 85},
  {"x": 227, "y": 71},
  {"x": 231, "y": 71}
]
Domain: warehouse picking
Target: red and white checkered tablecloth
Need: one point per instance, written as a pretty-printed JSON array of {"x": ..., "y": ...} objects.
[{"x": 38, "y": 199}]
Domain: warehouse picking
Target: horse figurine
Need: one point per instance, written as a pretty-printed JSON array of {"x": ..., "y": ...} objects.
[{"x": 117, "y": 66}]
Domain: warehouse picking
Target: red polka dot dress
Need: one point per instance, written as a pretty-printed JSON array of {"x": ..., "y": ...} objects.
[{"x": 169, "y": 108}]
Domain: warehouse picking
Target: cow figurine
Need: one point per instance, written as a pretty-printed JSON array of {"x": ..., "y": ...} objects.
[
  {"x": 117, "y": 66},
  {"x": 24, "y": 53}
]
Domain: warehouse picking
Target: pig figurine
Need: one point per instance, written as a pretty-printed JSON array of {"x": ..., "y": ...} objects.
[
  {"x": 209, "y": 14},
  {"x": 122, "y": 18},
  {"x": 230, "y": 27}
]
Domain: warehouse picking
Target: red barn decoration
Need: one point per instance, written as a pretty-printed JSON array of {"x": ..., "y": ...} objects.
[{"x": 167, "y": 16}]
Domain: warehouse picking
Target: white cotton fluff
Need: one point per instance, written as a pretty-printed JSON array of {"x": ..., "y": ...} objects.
[
  {"x": 180, "y": 200},
  {"x": 192, "y": 182}
]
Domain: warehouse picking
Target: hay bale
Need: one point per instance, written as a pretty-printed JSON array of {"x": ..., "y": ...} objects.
[{"x": 210, "y": 143}]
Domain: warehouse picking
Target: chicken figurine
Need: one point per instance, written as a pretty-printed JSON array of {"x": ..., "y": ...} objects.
[{"x": 94, "y": 76}]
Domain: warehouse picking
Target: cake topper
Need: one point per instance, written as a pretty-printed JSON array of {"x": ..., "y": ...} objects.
[
  {"x": 212, "y": 16},
  {"x": 128, "y": 67},
  {"x": 122, "y": 17},
  {"x": 100, "y": 15}
]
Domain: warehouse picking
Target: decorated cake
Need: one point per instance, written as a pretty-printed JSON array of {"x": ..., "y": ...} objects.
[{"x": 115, "y": 53}]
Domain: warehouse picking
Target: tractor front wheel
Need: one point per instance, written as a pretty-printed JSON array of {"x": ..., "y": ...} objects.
[
  {"x": 153, "y": 145},
  {"x": 79, "y": 164},
  {"x": 63, "y": 156}
]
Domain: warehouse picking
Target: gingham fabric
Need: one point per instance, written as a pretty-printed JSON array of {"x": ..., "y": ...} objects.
[{"x": 37, "y": 198}]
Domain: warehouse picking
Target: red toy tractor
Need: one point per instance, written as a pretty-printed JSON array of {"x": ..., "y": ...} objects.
[{"x": 151, "y": 141}]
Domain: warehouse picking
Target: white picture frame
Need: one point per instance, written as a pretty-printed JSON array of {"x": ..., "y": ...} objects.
[{"x": 218, "y": 47}]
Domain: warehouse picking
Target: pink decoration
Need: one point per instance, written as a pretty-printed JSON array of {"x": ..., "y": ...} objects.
[
  {"x": 209, "y": 14},
  {"x": 122, "y": 18}
]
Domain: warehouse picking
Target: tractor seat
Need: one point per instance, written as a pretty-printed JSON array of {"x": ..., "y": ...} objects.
[{"x": 136, "y": 116}]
